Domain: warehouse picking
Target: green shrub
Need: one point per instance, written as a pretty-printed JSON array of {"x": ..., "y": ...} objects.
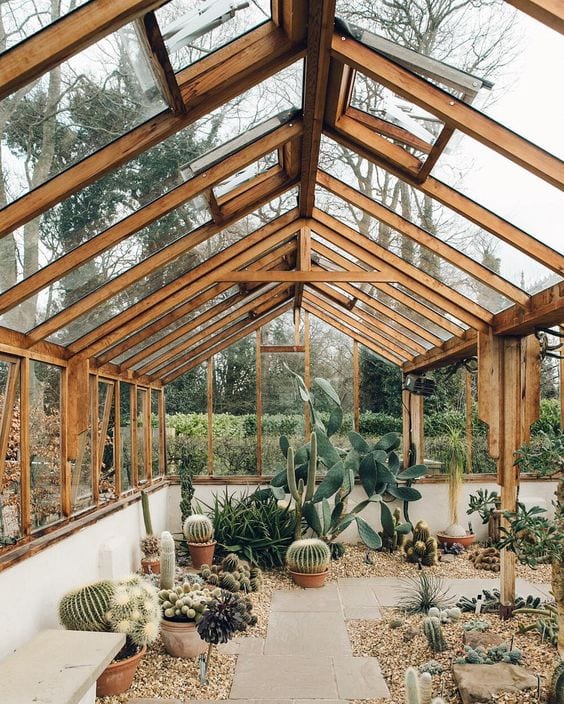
[
  {"x": 549, "y": 417},
  {"x": 377, "y": 424}
]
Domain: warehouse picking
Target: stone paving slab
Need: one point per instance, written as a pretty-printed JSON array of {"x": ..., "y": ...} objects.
[
  {"x": 300, "y": 634},
  {"x": 236, "y": 646},
  {"x": 359, "y": 678},
  {"x": 325, "y": 599},
  {"x": 362, "y": 613},
  {"x": 282, "y": 677}
]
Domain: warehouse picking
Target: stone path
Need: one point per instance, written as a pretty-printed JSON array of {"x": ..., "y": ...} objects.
[{"x": 306, "y": 657}]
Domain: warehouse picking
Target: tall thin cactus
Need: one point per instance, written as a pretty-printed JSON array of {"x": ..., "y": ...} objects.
[
  {"x": 146, "y": 513},
  {"x": 300, "y": 492},
  {"x": 168, "y": 560},
  {"x": 418, "y": 688}
]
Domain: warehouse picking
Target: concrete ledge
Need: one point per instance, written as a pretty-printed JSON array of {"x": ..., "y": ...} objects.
[{"x": 57, "y": 667}]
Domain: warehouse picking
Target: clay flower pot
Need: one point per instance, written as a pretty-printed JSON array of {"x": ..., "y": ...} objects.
[
  {"x": 181, "y": 639},
  {"x": 118, "y": 676},
  {"x": 464, "y": 540},
  {"x": 310, "y": 580},
  {"x": 151, "y": 566},
  {"x": 201, "y": 553}
]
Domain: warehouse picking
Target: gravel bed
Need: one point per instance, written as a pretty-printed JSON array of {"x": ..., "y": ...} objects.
[{"x": 399, "y": 648}]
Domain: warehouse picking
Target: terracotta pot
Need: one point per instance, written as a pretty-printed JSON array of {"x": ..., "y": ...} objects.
[
  {"x": 309, "y": 581},
  {"x": 201, "y": 553},
  {"x": 464, "y": 540},
  {"x": 118, "y": 676},
  {"x": 181, "y": 639},
  {"x": 151, "y": 566}
]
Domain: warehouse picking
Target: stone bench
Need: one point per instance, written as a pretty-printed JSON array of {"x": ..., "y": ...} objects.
[{"x": 58, "y": 667}]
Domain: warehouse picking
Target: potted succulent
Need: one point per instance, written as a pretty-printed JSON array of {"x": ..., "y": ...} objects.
[
  {"x": 182, "y": 610},
  {"x": 198, "y": 531},
  {"x": 308, "y": 561},
  {"x": 487, "y": 505},
  {"x": 150, "y": 563},
  {"x": 128, "y": 606}
]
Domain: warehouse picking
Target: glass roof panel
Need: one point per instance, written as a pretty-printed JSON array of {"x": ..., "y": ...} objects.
[
  {"x": 224, "y": 188},
  {"x": 491, "y": 40},
  {"x": 80, "y": 106},
  {"x": 192, "y": 30},
  {"x": 416, "y": 254},
  {"x": 152, "y": 174},
  {"x": 20, "y": 19},
  {"x": 459, "y": 232},
  {"x": 428, "y": 304},
  {"x": 160, "y": 277}
]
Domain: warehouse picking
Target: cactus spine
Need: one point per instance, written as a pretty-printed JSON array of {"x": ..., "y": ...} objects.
[
  {"x": 434, "y": 634},
  {"x": 198, "y": 529},
  {"x": 419, "y": 688},
  {"x": 168, "y": 560},
  {"x": 308, "y": 556},
  {"x": 85, "y": 609},
  {"x": 300, "y": 492}
]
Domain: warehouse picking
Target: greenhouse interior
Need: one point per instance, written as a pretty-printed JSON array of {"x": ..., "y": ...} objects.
[{"x": 281, "y": 351}]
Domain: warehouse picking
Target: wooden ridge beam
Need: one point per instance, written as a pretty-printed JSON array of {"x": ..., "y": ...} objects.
[
  {"x": 321, "y": 20},
  {"x": 200, "y": 341},
  {"x": 147, "y": 215},
  {"x": 304, "y": 277},
  {"x": 414, "y": 279},
  {"x": 193, "y": 282},
  {"x": 421, "y": 236},
  {"x": 73, "y": 32},
  {"x": 549, "y": 12},
  {"x": 452, "y": 111},
  {"x": 459, "y": 203},
  {"x": 251, "y": 327},
  {"x": 204, "y": 87}
]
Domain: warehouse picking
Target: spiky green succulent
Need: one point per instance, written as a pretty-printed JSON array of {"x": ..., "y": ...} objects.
[
  {"x": 150, "y": 547},
  {"x": 308, "y": 556},
  {"x": 230, "y": 562},
  {"x": 198, "y": 529},
  {"x": 422, "y": 548},
  {"x": 85, "y": 608},
  {"x": 186, "y": 602},
  {"x": 168, "y": 561},
  {"x": 434, "y": 634}
]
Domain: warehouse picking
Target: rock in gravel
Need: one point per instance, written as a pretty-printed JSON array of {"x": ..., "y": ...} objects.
[
  {"x": 477, "y": 683},
  {"x": 447, "y": 557},
  {"x": 485, "y": 640}
]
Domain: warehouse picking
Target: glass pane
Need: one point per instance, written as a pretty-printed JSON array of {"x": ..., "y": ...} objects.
[
  {"x": 224, "y": 189},
  {"x": 45, "y": 460},
  {"x": 234, "y": 409},
  {"x": 156, "y": 434},
  {"x": 80, "y": 106},
  {"x": 187, "y": 422},
  {"x": 141, "y": 440},
  {"x": 10, "y": 489},
  {"x": 81, "y": 470},
  {"x": 280, "y": 331},
  {"x": 190, "y": 32},
  {"x": 21, "y": 19},
  {"x": 126, "y": 439},
  {"x": 379, "y": 396},
  {"x": 282, "y": 408},
  {"x": 430, "y": 215},
  {"x": 106, "y": 439}
]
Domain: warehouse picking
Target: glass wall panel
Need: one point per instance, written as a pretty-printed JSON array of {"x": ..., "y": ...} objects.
[
  {"x": 156, "y": 434},
  {"x": 380, "y": 410},
  {"x": 282, "y": 408},
  {"x": 142, "y": 413},
  {"x": 126, "y": 435},
  {"x": 78, "y": 107},
  {"x": 81, "y": 470},
  {"x": 234, "y": 409},
  {"x": 187, "y": 422},
  {"x": 45, "y": 460},
  {"x": 280, "y": 331},
  {"x": 10, "y": 488},
  {"x": 106, "y": 439}
]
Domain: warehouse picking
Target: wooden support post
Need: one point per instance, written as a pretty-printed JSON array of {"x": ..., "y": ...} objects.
[
  {"x": 307, "y": 369},
  {"x": 413, "y": 430},
  {"x": 356, "y": 388},
  {"x": 162, "y": 433},
  {"x": 259, "y": 400},
  {"x": 117, "y": 440},
  {"x": 95, "y": 456},
  {"x": 406, "y": 427},
  {"x": 25, "y": 484},
  {"x": 210, "y": 415},
  {"x": 469, "y": 433},
  {"x": 561, "y": 370},
  {"x": 134, "y": 434}
]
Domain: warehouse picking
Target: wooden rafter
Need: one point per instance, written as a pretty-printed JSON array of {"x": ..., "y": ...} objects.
[
  {"x": 388, "y": 129},
  {"x": 449, "y": 109},
  {"x": 250, "y": 60},
  {"x": 149, "y": 214},
  {"x": 417, "y": 234},
  {"x": 192, "y": 283},
  {"x": 549, "y": 12},
  {"x": 404, "y": 273},
  {"x": 461, "y": 204},
  {"x": 321, "y": 18}
]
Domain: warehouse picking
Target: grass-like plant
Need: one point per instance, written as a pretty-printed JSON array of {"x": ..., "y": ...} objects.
[{"x": 421, "y": 593}]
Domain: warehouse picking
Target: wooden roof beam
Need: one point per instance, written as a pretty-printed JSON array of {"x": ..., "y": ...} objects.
[
  {"x": 206, "y": 85},
  {"x": 421, "y": 236},
  {"x": 460, "y": 204},
  {"x": 321, "y": 20},
  {"x": 549, "y": 12},
  {"x": 147, "y": 215},
  {"x": 388, "y": 129},
  {"x": 305, "y": 277},
  {"x": 452, "y": 111}
]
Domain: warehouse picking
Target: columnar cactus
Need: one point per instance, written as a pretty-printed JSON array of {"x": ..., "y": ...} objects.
[
  {"x": 168, "y": 560},
  {"x": 423, "y": 548},
  {"x": 299, "y": 492},
  {"x": 85, "y": 609},
  {"x": 198, "y": 529},
  {"x": 418, "y": 688},
  {"x": 308, "y": 556},
  {"x": 434, "y": 634}
]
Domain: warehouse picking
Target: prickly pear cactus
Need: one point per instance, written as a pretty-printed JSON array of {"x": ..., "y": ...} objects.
[
  {"x": 168, "y": 561},
  {"x": 308, "y": 556},
  {"x": 198, "y": 529}
]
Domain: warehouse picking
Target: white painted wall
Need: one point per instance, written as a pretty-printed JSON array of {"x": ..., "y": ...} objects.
[{"x": 30, "y": 590}]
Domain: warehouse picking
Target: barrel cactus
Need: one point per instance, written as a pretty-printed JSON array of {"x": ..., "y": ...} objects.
[
  {"x": 186, "y": 602},
  {"x": 85, "y": 609},
  {"x": 150, "y": 547},
  {"x": 423, "y": 548},
  {"x": 168, "y": 560},
  {"x": 230, "y": 562},
  {"x": 308, "y": 556},
  {"x": 434, "y": 634},
  {"x": 198, "y": 529}
]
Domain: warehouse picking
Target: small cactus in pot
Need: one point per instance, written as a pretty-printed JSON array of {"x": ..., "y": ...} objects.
[
  {"x": 308, "y": 561},
  {"x": 150, "y": 547},
  {"x": 198, "y": 531}
]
